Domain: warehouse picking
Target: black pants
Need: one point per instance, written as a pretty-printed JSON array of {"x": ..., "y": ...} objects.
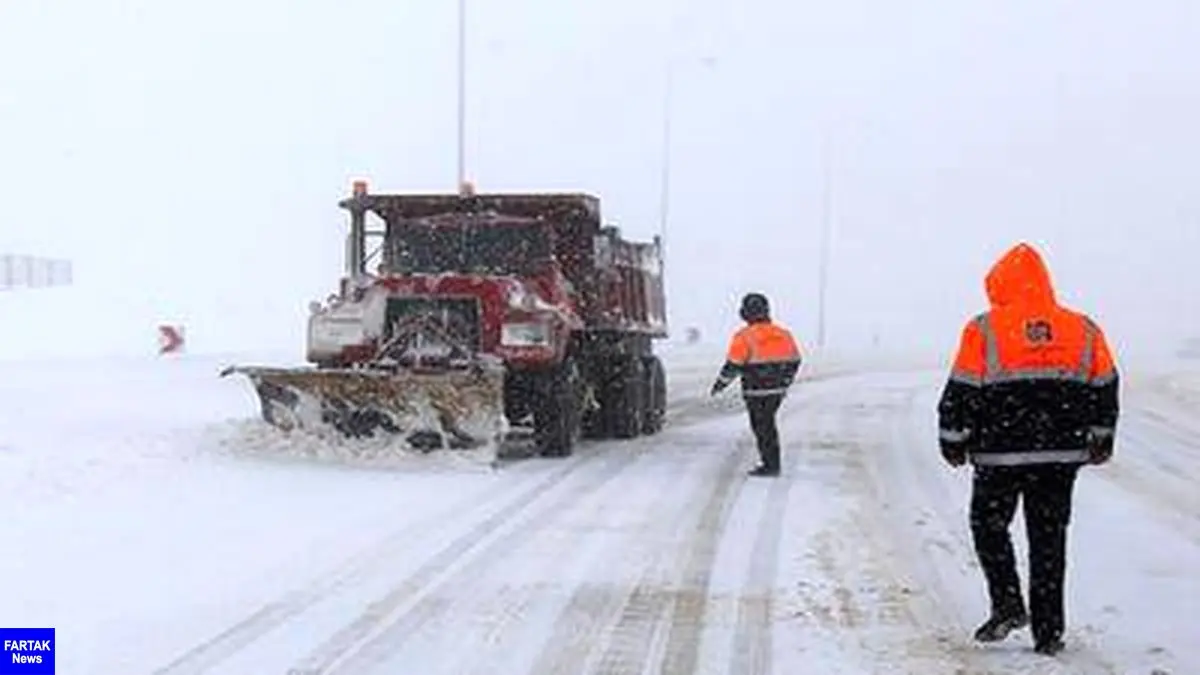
[
  {"x": 1046, "y": 490},
  {"x": 762, "y": 411}
]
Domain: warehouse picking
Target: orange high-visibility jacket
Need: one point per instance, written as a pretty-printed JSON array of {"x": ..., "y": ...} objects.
[
  {"x": 1033, "y": 382},
  {"x": 765, "y": 355}
]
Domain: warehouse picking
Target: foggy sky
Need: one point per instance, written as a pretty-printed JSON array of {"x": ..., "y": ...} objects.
[{"x": 189, "y": 157}]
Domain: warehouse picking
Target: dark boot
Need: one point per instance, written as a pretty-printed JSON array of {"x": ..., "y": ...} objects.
[
  {"x": 762, "y": 470},
  {"x": 998, "y": 626}
]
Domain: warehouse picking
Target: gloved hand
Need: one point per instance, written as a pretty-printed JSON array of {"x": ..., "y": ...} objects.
[
  {"x": 1100, "y": 448},
  {"x": 954, "y": 455},
  {"x": 717, "y": 387}
]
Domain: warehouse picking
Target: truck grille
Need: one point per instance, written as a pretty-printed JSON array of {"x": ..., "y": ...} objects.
[{"x": 458, "y": 316}]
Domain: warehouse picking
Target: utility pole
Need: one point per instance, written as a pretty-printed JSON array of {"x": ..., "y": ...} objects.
[
  {"x": 668, "y": 103},
  {"x": 664, "y": 188},
  {"x": 826, "y": 235},
  {"x": 462, "y": 94}
]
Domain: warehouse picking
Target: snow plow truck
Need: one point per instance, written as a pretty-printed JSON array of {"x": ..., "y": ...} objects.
[{"x": 483, "y": 316}]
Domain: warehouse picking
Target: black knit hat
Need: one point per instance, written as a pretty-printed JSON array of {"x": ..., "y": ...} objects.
[{"x": 755, "y": 308}]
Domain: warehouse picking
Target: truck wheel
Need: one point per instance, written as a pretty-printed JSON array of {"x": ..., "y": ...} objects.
[
  {"x": 656, "y": 403},
  {"x": 629, "y": 405},
  {"x": 556, "y": 417}
]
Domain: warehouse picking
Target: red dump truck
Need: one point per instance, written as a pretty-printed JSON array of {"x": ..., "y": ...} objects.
[{"x": 477, "y": 315}]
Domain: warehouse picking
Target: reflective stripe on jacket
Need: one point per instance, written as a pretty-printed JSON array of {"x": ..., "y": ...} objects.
[
  {"x": 1032, "y": 381},
  {"x": 765, "y": 355}
]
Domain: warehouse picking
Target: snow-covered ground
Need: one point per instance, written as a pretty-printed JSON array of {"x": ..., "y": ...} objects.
[
  {"x": 1184, "y": 386},
  {"x": 151, "y": 520}
]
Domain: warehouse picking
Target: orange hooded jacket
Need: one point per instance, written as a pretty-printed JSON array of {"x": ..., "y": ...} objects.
[{"x": 1032, "y": 381}]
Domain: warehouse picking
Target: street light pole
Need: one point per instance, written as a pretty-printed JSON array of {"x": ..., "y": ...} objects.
[
  {"x": 462, "y": 94},
  {"x": 826, "y": 235},
  {"x": 664, "y": 188}
]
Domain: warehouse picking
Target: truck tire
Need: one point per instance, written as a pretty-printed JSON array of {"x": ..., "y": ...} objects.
[
  {"x": 655, "y": 416},
  {"x": 556, "y": 416},
  {"x": 629, "y": 403}
]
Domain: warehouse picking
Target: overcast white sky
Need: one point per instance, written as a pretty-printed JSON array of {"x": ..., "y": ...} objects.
[{"x": 188, "y": 156}]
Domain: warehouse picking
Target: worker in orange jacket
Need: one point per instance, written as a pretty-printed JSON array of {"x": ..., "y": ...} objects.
[
  {"x": 766, "y": 357},
  {"x": 1031, "y": 398}
]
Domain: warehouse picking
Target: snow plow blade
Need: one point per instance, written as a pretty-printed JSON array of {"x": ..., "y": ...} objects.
[{"x": 450, "y": 409}]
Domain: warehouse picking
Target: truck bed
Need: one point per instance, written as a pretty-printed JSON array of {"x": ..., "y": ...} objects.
[{"x": 620, "y": 282}]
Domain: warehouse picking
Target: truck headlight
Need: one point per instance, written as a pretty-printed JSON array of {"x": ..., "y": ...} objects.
[{"x": 528, "y": 334}]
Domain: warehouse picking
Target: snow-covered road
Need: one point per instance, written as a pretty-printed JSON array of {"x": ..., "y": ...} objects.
[{"x": 160, "y": 533}]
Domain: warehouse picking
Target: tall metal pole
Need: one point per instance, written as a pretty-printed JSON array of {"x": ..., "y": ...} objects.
[
  {"x": 462, "y": 94},
  {"x": 664, "y": 194},
  {"x": 826, "y": 235}
]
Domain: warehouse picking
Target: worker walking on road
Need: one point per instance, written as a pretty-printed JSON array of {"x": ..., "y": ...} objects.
[
  {"x": 1032, "y": 397},
  {"x": 766, "y": 357}
]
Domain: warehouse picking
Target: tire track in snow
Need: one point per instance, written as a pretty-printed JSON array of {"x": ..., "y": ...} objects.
[
  {"x": 388, "y": 617},
  {"x": 591, "y": 605},
  {"x": 229, "y": 642},
  {"x": 753, "y": 638},
  {"x": 690, "y": 603},
  {"x": 595, "y": 607},
  {"x": 652, "y": 608},
  {"x": 578, "y": 550}
]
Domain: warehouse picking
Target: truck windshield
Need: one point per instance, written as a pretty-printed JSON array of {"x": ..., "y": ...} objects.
[{"x": 470, "y": 249}]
